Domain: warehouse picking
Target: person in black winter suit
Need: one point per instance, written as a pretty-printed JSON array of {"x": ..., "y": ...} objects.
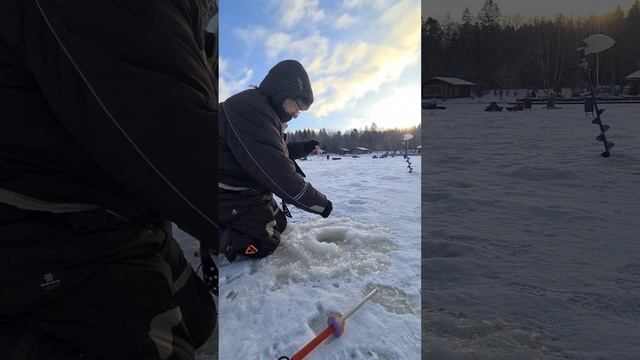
[
  {"x": 108, "y": 114},
  {"x": 255, "y": 162}
]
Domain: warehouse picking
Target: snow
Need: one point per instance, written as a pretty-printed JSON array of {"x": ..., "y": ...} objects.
[
  {"x": 530, "y": 238},
  {"x": 272, "y": 307}
]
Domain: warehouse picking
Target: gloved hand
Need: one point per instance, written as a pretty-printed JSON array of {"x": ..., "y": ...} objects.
[
  {"x": 327, "y": 210},
  {"x": 310, "y": 145}
]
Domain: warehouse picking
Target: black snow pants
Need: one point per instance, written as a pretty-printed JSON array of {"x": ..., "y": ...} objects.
[
  {"x": 136, "y": 298},
  {"x": 252, "y": 228}
]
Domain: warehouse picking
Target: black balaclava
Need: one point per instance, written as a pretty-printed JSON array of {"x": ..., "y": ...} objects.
[{"x": 287, "y": 80}]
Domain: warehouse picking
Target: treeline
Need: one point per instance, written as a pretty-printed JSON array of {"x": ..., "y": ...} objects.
[
  {"x": 497, "y": 51},
  {"x": 369, "y": 137}
]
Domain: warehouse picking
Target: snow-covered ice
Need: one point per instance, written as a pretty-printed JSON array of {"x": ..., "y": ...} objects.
[
  {"x": 531, "y": 245},
  {"x": 272, "y": 307}
]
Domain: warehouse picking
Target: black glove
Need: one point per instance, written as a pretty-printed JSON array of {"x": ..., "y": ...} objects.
[
  {"x": 327, "y": 209},
  {"x": 310, "y": 145}
]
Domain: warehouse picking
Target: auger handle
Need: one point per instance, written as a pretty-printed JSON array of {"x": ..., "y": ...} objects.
[{"x": 302, "y": 353}]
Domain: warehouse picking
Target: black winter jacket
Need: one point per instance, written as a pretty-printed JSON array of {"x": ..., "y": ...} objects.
[
  {"x": 252, "y": 151},
  {"x": 109, "y": 103}
]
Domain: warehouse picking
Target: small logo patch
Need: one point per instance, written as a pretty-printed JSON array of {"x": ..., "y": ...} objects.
[
  {"x": 250, "y": 250},
  {"x": 300, "y": 84},
  {"x": 49, "y": 282}
]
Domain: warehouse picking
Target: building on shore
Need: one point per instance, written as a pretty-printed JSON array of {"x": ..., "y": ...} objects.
[{"x": 446, "y": 87}]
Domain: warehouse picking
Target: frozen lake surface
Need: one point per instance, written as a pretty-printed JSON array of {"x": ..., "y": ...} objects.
[
  {"x": 531, "y": 240},
  {"x": 272, "y": 307}
]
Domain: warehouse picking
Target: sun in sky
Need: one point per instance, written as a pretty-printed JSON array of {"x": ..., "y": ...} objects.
[{"x": 363, "y": 57}]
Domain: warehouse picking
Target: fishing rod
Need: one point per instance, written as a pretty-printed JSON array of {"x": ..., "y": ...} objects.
[{"x": 335, "y": 326}]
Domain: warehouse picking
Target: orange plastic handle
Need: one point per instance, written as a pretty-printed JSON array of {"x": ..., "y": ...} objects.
[{"x": 313, "y": 344}]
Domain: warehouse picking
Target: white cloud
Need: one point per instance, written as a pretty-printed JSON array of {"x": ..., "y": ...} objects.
[
  {"x": 292, "y": 12},
  {"x": 351, "y": 4},
  {"x": 251, "y": 35},
  {"x": 232, "y": 82},
  {"x": 276, "y": 43},
  {"x": 349, "y": 72},
  {"x": 398, "y": 108},
  {"x": 344, "y": 21},
  {"x": 310, "y": 50},
  {"x": 376, "y": 4}
]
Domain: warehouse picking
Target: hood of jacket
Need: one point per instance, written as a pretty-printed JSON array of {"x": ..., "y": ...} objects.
[{"x": 287, "y": 80}]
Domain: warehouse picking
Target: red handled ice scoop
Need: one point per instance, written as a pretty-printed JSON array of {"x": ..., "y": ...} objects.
[{"x": 335, "y": 326}]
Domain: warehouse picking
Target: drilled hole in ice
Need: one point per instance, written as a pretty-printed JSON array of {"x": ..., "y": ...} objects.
[
  {"x": 332, "y": 235},
  {"x": 330, "y": 249}
]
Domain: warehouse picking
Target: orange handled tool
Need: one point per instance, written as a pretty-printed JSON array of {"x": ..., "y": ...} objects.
[{"x": 335, "y": 326}]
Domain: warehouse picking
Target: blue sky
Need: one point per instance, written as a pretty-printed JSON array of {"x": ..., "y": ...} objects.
[{"x": 362, "y": 56}]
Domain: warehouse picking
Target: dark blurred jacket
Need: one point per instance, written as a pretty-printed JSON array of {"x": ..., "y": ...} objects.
[{"x": 106, "y": 108}]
